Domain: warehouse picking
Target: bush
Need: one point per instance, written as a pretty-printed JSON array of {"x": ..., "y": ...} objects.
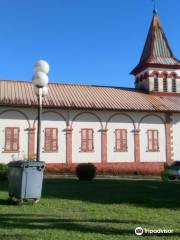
[
  {"x": 85, "y": 171},
  {"x": 3, "y": 171}
]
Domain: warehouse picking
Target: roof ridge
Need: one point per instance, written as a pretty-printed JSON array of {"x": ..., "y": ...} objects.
[{"x": 70, "y": 84}]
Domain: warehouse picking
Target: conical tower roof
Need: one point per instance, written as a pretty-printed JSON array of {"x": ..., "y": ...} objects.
[{"x": 156, "y": 52}]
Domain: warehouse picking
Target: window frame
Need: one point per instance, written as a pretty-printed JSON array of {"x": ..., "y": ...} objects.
[
  {"x": 123, "y": 146},
  {"x": 51, "y": 140},
  {"x": 11, "y": 149},
  {"x": 86, "y": 140},
  {"x": 155, "y": 142}
]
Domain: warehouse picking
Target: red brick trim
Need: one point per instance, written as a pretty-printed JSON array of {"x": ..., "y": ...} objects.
[
  {"x": 69, "y": 145},
  {"x": 31, "y": 142},
  {"x": 104, "y": 145},
  {"x": 169, "y": 138},
  {"x": 139, "y": 69},
  {"x": 156, "y": 74},
  {"x": 94, "y": 114}
]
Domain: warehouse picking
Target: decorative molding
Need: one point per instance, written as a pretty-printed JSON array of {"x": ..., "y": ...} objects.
[
  {"x": 19, "y": 111},
  {"x": 50, "y": 111},
  {"x": 81, "y": 113},
  {"x": 148, "y": 115},
  {"x": 123, "y": 114}
]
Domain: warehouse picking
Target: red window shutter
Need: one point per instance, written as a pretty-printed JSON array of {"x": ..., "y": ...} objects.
[
  {"x": 153, "y": 140},
  {"x": 54, "y": 137},
  {"x": 156, "y": 140},
  {"x": 90, "y": 139},
  {"x": 150, "y": 140},
  {"x": 11, "y": 139},
  {"x": 87, "y": 140},
  {"x": 15, "y": 139},
  {"x": 121, "y": 140},
  {"x": 47, "y": 139},
  {"x": 117, "y": 140},
  {"x": 7, "y": 139},
  {"x": 83, "y": 140},
  {"x": 51, "y": 139}
]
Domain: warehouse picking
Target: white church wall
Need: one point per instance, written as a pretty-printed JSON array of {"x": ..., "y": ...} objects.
[
  {"x": 152, "y": 122},
  {"x": 87, "y": 120},
  {"x": 13, "y": 119},
  {"x": 176, "y": 136}
]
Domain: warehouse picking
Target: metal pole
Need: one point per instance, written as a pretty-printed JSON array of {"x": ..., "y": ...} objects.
[{"x": 39, "y": 125}]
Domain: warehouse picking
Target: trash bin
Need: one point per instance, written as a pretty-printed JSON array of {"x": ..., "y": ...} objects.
[{"x": 25, "y": 179}]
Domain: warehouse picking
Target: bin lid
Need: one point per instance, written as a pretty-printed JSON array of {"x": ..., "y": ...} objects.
[{"x": 23, "y": 164}]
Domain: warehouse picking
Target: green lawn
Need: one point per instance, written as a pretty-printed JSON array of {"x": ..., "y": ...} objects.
[{"x": 98, "y": 210}]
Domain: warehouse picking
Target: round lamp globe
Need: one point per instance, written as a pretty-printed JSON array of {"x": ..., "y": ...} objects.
[
  {"x": 41, "y": 66},
  {"x": 40, "y": 80}
]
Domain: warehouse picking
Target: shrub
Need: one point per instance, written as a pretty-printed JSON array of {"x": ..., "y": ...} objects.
[
  {"x": 3, "y": 171},
  {"x": 85, "y": 171},
  {"x": 63, "y": 169}
]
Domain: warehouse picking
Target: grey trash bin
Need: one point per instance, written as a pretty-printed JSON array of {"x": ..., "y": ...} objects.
[{"x": 25, "y": 179}]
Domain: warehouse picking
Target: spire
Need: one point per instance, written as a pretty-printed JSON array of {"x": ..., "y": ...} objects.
[{"x": 156, "y": 49}]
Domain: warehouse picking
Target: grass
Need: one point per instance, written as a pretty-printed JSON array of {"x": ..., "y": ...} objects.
[{"x": 98, "y": 210}]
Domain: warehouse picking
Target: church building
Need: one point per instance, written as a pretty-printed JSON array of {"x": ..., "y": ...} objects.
[{"x": 133, "y": 129}]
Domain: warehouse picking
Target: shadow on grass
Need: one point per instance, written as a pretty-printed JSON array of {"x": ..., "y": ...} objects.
[
  {"x": 45, "y": 222},
  {"x": 151, "y": 194}
]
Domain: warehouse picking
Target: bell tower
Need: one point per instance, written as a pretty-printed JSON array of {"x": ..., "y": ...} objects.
[{"x": 158, "y": 70}]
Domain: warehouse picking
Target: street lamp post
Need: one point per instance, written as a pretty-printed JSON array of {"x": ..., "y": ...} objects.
[
  {"x": 25, "y": 184},
  {"x": 40, "y": 83}
]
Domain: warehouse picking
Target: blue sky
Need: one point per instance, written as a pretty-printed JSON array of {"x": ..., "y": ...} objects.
[{"x": 85, "y": 41}]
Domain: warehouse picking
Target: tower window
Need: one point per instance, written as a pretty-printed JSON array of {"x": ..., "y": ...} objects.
[
  {"x": 165, "y": 87},
  {"x": 174, "y": 84},
  {"x": 156, "y": 86}
]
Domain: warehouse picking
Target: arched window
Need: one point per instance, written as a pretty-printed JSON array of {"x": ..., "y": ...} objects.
[
  {"x": 165, "y": 86},
  {"x": 156, "y": 84},
  {"x": 174, "y": 83}
]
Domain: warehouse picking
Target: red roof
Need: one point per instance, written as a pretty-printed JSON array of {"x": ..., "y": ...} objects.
[
  {"x": 18, "y": 93},
  {"x": 156, "y": 49}
]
